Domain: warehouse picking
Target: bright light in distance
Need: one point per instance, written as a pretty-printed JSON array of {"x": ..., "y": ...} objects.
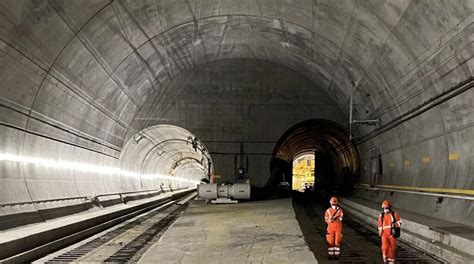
[{"x": 84, "y": 167}]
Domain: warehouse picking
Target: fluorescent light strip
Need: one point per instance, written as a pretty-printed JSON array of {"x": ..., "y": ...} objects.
[{"x": 84, "y": 167}]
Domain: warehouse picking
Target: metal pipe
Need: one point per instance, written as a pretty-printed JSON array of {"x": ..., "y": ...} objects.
[
  {"x": 80, "y": 197},
  {"x": 124, "y": 193},
  {"x": 45, "y": 201},
  {"x": 462, "y": 197},
  {"x": 368, "y": 121},
  {"x": 350, "y": 111},
  {"x": 420, "y": 109},
  {"x": 59, "y": 140}
]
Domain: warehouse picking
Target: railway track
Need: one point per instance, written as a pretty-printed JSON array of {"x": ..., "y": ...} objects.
[
  {"x": 125, "y": 242},
  {"x": 361, "y": 244}
]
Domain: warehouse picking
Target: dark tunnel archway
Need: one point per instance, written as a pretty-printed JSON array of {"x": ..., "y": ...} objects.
[{"x": 336, "y": 157}]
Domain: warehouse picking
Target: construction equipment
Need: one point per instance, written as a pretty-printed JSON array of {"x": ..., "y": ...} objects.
[{"x": 224, "y": 193}]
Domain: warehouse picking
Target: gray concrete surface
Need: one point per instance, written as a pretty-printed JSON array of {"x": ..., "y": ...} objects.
[
  {"x": 251, "y": 101},
  {"x": 78, "y": 80},
  {"x": 27, "y": 243},
  {"x": 253, "y": 232}
]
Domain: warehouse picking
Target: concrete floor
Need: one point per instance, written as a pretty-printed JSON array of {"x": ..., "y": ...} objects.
[{"x": 252, "y": 232}]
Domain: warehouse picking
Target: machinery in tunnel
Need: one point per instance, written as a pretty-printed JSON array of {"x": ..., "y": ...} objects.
[{"x": 224, "y": 193}]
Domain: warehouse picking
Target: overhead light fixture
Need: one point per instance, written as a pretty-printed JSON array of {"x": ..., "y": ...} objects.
[
  {"x": 194, "y": 142},
  {"x": 176, "y": 165},
  {"x": 137, "y": 138}
]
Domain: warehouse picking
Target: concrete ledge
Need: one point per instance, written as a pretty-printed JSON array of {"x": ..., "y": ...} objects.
[
  {"x": 33, "y": 241},
  {"x": 446, "y": 246}
]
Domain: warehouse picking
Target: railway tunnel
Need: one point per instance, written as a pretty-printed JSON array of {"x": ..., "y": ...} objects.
[{"x": 114, "y": 108}]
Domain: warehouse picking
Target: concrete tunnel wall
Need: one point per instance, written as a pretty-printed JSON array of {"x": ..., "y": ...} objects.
[
  {"x": 74, "y": 78},
  {"x": 164, "y": 150},
  {"x": 230, "y": 101},
  {"x": 159, "y": 156}
]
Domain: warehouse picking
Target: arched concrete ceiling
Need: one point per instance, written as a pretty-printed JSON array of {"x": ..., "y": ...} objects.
[
  {"x": 105, "y": 58},
  {"x": 74, "y": 75},
  {"x": 240, "y": 100},
  {"x": 165, "y": 150},
  {"x": 319, "y": 136}
]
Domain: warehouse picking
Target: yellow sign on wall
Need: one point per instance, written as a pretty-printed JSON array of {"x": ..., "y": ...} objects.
[{"x": 453, "y": 156}]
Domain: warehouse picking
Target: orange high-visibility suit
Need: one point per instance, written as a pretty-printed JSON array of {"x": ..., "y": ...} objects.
[
  {"x": 389, "y": 243},
  {"x": 333, "y": 218}
]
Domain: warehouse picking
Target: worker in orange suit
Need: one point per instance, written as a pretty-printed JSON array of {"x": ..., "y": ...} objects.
[
  {"x": 388, "y": 219},
  {"x": 333, "y": 217}
]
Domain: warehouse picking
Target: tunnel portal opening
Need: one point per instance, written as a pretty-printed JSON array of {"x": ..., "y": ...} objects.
[
  {"x": 303, "y": 172},
  {"x": 335, "y": 159},
  {"x": 166, "y": 155}
]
